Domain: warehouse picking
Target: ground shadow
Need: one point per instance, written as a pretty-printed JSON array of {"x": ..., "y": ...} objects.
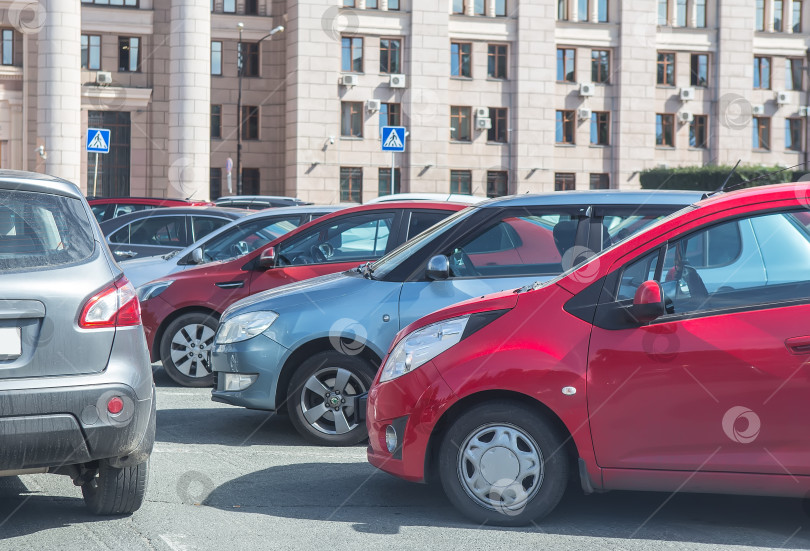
[{"x": 380, "y": 504}]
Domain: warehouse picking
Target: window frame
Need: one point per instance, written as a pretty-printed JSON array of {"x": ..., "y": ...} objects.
[
  {"x": 761, "y": 62},
  {"x": 352, "y": 47},
  {"x": 602, "y": 128},
  {"x": 89, "y": 38},
  {"x": 694, "y": 75},
  {"x": 250, "y": 119},
  {"x": 796, "y": 134},
  {"x": 139, "y": 44},
  {"x": 249, "y": 63},
  {"x": 499, "y": 133},
  {"x": 699, "y": 123},
  {"x": 497, "y": 178},
  {"x": 354, "y": 175},
  {"x": 596, "y": 67},
  {"x": 498, "y": 61},
  {"x": 461, "y": 124},
  {"x": 665, "y": 121},
  {"x": 459, "y": 178},
  {"x": 459, "y": 55},
  {"x": 565, "y": 181},
  {"x": 562, "y": 64},
  {"x": 762, "y": 127},
  {"x": 217, "y": 70},
  {"x": 662, "y": 77},
  {"x": 387, "y": 54},
  {"x": 354, "y": 111},
  {"x": 216, "y": 116},
  {"x": 565, "y": 127}
]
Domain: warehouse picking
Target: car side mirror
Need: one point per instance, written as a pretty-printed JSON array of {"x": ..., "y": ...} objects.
[
  {"x": 197, "y": 256},
  {"x": 438, "y": 268},
  {"x": 648, "y": 302},
  {"x": 268, "y": 258}
]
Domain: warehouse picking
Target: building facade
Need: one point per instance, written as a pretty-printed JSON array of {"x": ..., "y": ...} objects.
[{"x": 498, "y": 96}]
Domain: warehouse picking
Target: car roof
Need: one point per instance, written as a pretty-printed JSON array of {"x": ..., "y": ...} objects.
[
  {"x": 42, "y": 183},
  {"x": 121, "y": 220},
  {"x": 136, "y": 200},
  {"x": 455, "y": 197},
  {"x": 257, "y": 198},
  {"x": 299, "y": 209},
  {"x": 597, "y": 197},
  {"x": 772, "y": 192}
]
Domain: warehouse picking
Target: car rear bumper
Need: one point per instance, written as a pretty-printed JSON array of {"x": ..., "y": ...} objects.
[{"x": 59, "y": 426}]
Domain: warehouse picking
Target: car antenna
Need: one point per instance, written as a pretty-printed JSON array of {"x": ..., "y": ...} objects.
[{"x": 722, "y": 188}]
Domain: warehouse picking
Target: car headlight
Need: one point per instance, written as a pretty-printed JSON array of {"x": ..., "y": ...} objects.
[
  {"x": 244, "y": 326},
  {"x": 423, "y": 345},
  {"x": 152, "y": 289}
]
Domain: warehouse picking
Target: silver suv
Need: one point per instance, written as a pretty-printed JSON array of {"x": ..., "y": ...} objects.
[{"x": 76, "y": 391}]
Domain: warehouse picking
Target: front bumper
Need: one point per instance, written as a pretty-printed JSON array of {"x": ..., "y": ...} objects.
[
  {"x": 260, "y": 356},
  {"x": 413, "y": 404}
]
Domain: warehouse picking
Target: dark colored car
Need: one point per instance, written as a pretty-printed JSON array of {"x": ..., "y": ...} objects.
[
  {"x": 107, "y": 208},
  {"x": 76, "y": 390},
  {"x": 181, "y": 311},
  {"x": 676, "y": 361},
  {"x": 258, "y": 202},
  {"x": 154, "y": 232}
]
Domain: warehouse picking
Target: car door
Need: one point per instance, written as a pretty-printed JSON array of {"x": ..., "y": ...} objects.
[
  {"x": 721, "y": 381},
  {"x": 149, "y": 236},
  {"x": 201, "y": 225}
]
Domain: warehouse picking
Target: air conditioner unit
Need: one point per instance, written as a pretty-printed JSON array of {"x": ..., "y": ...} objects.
[
  {"x": 103, "y": 77},
  {"x": 373, "y": 105},
  {"x": 584, "y": 114},
  {"x": 397, "y": 81},
  {"x": 483, "y": 124},
  {"x": 482, "y": 112},
  {"x": 757, "y": 109},
  {"x": 685, "y": 116},
  {"x": 782, "y": 98},
  {"x": 349, "y": 80},
  {"x": 804, "y": 111},
  {"x": 586, "y": 89},
  {"x": 687, "y": 94}
]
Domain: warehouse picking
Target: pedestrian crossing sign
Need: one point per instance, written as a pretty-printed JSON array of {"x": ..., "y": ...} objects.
[
  {"x": 393, "y": 138},
  {"x": 98, "y": 140}
]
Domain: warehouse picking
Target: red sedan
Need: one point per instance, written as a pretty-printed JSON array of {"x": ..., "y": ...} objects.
[
  {"x": 181, "y": 311},
  {"x": 674, "y": 361}
]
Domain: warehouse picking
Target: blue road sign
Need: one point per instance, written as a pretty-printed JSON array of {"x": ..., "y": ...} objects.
[
  {"x": 98, "y": 140},
  {"x": 393, "y": 138}
]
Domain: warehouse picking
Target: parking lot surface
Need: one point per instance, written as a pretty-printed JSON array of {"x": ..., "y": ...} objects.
[{"x": 224, "y": 477}]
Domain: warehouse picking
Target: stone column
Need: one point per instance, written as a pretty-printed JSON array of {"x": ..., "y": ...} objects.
[
  {"x": 190, "y": 99},
  {"x": 58, "y": 84}
]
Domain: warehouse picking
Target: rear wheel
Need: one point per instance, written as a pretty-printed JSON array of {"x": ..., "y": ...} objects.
[
  {"x": 321, "y": 398},
  {"x": 185, "y": 346},
  {"x": 116, "y": 491},
  {"x": 502, "y": 463}
]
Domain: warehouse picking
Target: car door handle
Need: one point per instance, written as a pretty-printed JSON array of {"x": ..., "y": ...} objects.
[
  {"x": 230, "y": 284},
  {"x": 127, "y": 254},
  {"x": 798, "y": 345}
]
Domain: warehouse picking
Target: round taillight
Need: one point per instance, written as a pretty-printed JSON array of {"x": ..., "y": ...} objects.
[{"x": 115, "y": 405}]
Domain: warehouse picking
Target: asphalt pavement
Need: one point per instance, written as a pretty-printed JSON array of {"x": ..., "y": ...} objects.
[{"x": 228, "y": 478}]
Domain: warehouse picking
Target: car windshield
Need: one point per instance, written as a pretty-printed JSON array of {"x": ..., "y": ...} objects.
[
  {"x": 248, "y": 237},
  {"x": 396, "y": 257}
]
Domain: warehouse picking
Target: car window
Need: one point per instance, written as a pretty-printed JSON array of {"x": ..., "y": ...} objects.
[
  {"x": 42, "y": 230},
  {"x": 121, "y": 210},
  {"x": 166, "y": 231},
  {"x": 99, "y": 211},
  {"x": 618, "y": 227},
  {"x": 203, "y": 225},
  {"x": 353, "y": 238},
  {"x": 637, "y": 273},
  {"x": 421, "y": 220},
  {"x": 247, "y": 237}
]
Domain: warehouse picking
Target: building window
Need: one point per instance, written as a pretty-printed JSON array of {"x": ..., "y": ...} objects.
[
  {"x": 793, "y": 73},
  {"x": 91, "y": 51},
  {"x": 797, "y": 16},
  {"x": 700, "y": 70},
  {"x": 663, "y": 12},
  {"x": 562, "y": 10},
  {"x": 352, "y": 61},
  {"x": 762, "y": 133},
  {"x": 390, "y": 114},
  {"x": 348, "y": 3},
  {"x": 566, "y": 63},
  {"x": 129, "y": 54},
  {"x": 600, "y": 128},
  {"x": 390, "y": 55},
  {"x": 461, "y": 59},
  {"x": 700, "y": 13},
  {"x": 699, "y": 132},
  {"x": 680, "y": 13},
  {"x": 665, "y": 130},
  {"x": 760, "y": 15},
  {"x": 666, "y": 69},
  {"x": 565, "y": 127},
  {"x": 458, "y": 7},
  {"x": 600, "y": 66},
  {"x": 216, "y": 121},
  {"x": 583, "y": 12},
  {"x": 251, "y": 181},
  {"x": 499, "y": 133},
  {"x": 251, "y": 7},
  {"x": 496, "y": 61},
  {"x": 250, "y": 122},
  {"x": 124, "y": 3},
  {"x": 461, "y": 124},
  {"x": 351, "y": 184},
  {"x": 500, "y": 8},
  {"x": 762, "y": 73},
  {"x": 497, "y": 183},
  {"x": 461, "y": 182},
  {"x": 777, "y": 15},
  {"x": 393, "y": 5},
  {"x": 229, "y": 6},
  {"x": 384, "y": 181},
  {"x": 565, "y": 181},
  {"x": 793, "y": 134},
  {"x": 479, "y": 8},
  {"x": 248, "y": 59},
  {"x": 600, "y": 181},
  {"x": 215, "y": 183},
  {"x": 602, "y": 11},
  {"x": 216, "y": 58},
  {"x": 351, "y": 119}
]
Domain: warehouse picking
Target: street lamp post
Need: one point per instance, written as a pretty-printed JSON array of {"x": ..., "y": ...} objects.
[{"x": 241, "y": 69}]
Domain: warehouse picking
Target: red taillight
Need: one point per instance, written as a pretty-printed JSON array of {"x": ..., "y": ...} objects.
[
  {"x": 114, "y": 306},
  {"x": 115, "y": 405}
]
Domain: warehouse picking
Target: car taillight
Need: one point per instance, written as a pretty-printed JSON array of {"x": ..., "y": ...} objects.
[{"x": 114, "y": 306}]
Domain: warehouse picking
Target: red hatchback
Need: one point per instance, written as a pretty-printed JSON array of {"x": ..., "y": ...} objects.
[
  {"x": 181, "y": 311},
  {"x": 674, "y": 361}
]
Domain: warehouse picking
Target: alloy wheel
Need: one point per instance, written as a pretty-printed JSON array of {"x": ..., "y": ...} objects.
[
  {"x": 328, "y": 400},
  {"x": 190, "y": 347}
]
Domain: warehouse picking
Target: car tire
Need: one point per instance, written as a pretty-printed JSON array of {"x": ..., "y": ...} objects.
[
  {"x": 180, "y": 349},
  {"x": 334, "y": 378},
  {"x": 502, "y": 463},
  {"x": 116, "y": 491}
]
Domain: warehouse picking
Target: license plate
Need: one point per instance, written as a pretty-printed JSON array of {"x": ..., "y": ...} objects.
[{"x": 10, "y": 346}]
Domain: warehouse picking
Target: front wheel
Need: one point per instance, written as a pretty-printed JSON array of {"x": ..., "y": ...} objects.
[
  {"x": 502, "y": 463},
  {"x": 185, "y": 346},
  {"x": 322, "y": 398},
  {"x": 116, "y": 491}
]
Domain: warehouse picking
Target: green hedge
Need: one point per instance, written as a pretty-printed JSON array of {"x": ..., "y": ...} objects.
[{"x": 709, "y": 178}]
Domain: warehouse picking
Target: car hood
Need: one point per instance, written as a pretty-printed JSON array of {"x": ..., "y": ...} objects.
[{"x": 143, "y": 270}]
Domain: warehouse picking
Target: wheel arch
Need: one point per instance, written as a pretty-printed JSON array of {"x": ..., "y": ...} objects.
[{"x": 173, "y": 316}]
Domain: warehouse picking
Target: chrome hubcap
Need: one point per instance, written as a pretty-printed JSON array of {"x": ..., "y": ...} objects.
[
  {"x": 500, "y": 467},
  {"x": 189, "y": 350},
  {"x": 327, "y": 400}
]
